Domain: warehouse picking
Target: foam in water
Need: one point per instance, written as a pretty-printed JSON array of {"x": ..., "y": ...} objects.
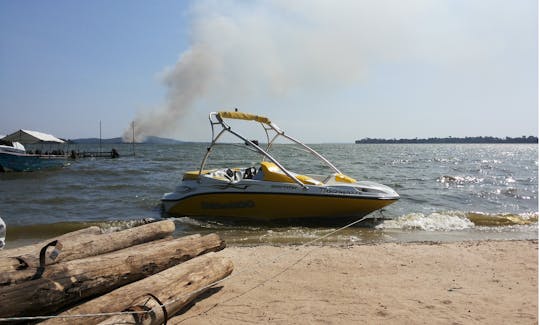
[
  {"x": 431, "y": 222},
  {"x": 503, "y": 219},
  {"x": 459, "y": 180},
  {"x": 457, "y": 220},
  {"x": 191, "y": 222},
  {"x": 114, "y": 226},
  {"x": 2, "y": 233}
]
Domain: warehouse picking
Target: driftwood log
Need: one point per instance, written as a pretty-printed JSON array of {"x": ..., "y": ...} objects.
[
  {"x": 18, "y": 268},
  {"x": 66, "y": 283},
  {"x": 174, "y": 288},
  {"x": 29, "y": 249},
  {"x": 10, "y": 263}
]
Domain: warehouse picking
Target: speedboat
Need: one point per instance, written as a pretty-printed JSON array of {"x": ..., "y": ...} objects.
[{"x": 268, "y": 190}]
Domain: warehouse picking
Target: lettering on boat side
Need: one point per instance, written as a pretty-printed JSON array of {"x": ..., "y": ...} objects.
[
  {"x": 228, "y": 205},
  {"x": 326, "y": 190},
  {"x": 336, "y": 191},
  {"x": 287, "y": 187}
]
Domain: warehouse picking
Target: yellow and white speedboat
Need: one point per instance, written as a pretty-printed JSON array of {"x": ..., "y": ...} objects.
[{"x": 269, "y": 191}]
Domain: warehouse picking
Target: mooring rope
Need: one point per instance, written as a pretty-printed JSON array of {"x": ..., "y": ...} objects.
[{"x": 164, "y": 305}]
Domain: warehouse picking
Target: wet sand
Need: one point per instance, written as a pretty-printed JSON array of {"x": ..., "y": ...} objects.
[{"x": 478, "y": 282}]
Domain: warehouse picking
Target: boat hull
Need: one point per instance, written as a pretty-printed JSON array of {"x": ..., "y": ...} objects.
[
  {"x": 273, "y": 206},
  {"x": 26, "y": 162}
]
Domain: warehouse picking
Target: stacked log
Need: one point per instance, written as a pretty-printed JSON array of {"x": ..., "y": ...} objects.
[
  {"x": 176, "y": 287},
  {"x": 12, "y": 259},
  {"x": 144, "y": 266},
  {"x": 75, "y": 246},
  {"x": 94, "y": 230}
]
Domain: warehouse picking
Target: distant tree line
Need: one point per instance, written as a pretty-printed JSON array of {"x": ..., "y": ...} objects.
[{"x": 523, "y": 139}]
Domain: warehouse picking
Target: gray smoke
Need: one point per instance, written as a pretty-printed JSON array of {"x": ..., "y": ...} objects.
[
  {"x": 248, "y": 50},
  {"x": 185, "y": 82}
]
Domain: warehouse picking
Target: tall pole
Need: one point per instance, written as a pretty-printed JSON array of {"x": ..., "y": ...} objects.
[
  {"x": 100, "y": 137},
  {"x": 133, "y": 137}
]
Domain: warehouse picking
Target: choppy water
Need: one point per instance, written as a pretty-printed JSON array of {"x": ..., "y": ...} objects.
[{"x": 448, "y": 192}]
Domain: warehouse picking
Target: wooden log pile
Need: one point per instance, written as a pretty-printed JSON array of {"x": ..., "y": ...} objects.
[{"x": 143, "y": 272}]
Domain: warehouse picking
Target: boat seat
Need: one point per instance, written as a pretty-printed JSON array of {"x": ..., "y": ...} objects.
[
  {"x": 342, "y": 178},
  {"x": 194, "y": 175},
  {"x": 272, "y": 173}
]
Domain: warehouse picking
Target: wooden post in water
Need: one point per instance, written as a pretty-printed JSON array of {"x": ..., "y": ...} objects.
[
  {"x": 133, "y": 137},
  {"x": 99, "y": 138}
]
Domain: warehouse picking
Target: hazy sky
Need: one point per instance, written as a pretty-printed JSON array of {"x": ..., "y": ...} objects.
[{"x": 325, "y": 71}]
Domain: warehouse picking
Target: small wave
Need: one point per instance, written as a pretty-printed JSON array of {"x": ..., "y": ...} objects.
[
  {"x": 459, "y": 180},
  {"x": 502, "y": 219},
  {"x": 492, "y": 161},
  {"x": 197, "y": 222},
  {"x": 509, "y": 180},
  {"x": 400, "y": 161},
  {"x": 117, "y": 225},
  {"x": 431, "y": 222},
  {"x": 510, "y": 192},
  {"x": 214, "y": 224},
  {"x": 297, "y": 233},
  {"x": 457, "y": 220},
  {"x": 446, "y": 160}
]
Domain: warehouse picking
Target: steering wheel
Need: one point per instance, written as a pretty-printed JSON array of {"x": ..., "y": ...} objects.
[
  {"x": 249, "y": 172},
  {"x": 229, "y": 174}
]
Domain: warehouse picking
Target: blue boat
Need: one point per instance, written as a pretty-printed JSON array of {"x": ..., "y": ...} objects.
[{"x": 14, "y": 157}]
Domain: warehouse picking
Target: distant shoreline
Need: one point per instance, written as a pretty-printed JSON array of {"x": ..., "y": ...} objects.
[
  {"x": 119, "y": 140},
  {"x": 477, "y": 140},
  {"x": 472, "y": 140}
]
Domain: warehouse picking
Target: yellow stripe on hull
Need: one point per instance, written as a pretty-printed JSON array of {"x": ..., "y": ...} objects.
[{"x": 275, "y": 206}]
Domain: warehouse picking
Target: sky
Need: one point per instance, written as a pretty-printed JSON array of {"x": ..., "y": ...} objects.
[{"x": 324, "y": 71}]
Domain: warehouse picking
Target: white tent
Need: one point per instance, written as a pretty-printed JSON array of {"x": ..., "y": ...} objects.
[{"x": 28, "y": 137}]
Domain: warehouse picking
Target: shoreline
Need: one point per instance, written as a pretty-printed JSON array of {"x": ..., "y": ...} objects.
[{"x": 466, "y": 282}]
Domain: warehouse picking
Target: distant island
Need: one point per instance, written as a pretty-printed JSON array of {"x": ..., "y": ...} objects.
[
  {"x": 118, "y": 140},
  {"x": 523, "y": 139}
]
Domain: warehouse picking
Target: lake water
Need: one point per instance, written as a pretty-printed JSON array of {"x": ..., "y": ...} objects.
[{"x": 448, "y": 192}]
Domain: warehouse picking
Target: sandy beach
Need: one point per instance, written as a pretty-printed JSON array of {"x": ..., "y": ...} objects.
[{"x": 479, "y": 282}]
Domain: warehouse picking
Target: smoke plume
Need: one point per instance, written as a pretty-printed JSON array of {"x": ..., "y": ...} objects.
[
  {"x": 185, "y": 82},
  {"x": 248, "y": 50}
]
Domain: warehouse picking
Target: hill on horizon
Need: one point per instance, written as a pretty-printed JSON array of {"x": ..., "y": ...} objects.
[
  {"x": 118, "y": 140},
  {"x": 479, "y": 139}
]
